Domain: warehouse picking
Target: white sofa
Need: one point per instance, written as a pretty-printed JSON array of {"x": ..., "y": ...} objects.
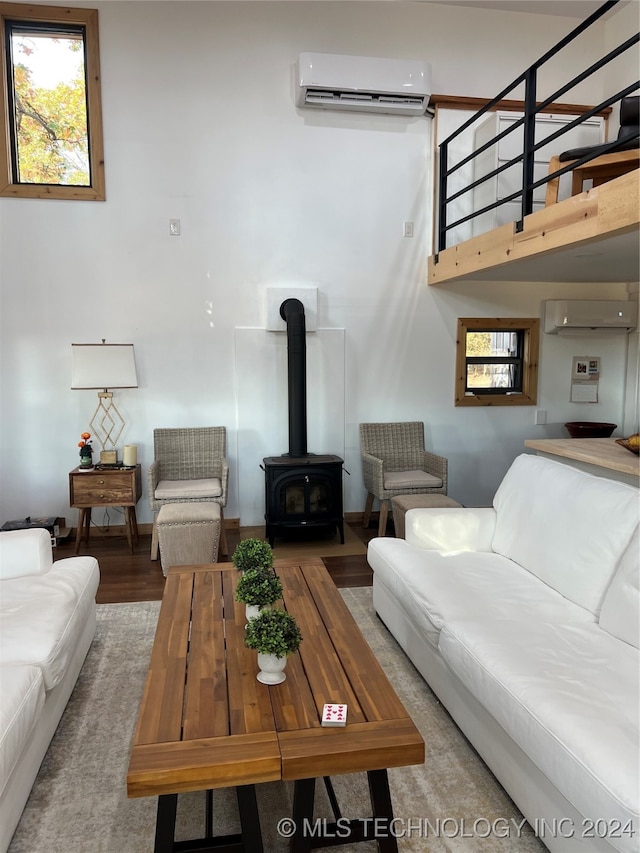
[
  {"x": 524, "y": 618},
  {"x": 47, "y": 623}
]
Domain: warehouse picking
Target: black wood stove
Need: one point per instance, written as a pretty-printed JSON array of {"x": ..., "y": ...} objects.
[{"x": 303, "y": 491}]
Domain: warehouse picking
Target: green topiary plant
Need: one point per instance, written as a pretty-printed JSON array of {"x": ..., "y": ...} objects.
[
  {"x": 258, "y": 588},
  {"x": 273, "y": 632},
  {"x": 252, "y": 554}
]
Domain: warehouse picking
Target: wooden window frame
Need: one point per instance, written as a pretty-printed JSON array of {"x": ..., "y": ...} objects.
[
  {"x": 531, "y": 345},
  {"x": 87, "y": 18}
]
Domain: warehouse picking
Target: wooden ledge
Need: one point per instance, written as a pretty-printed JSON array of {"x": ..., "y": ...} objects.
[{"x": 607, "y": 211}]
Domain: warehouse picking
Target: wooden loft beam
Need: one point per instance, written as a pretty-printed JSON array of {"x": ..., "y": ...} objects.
[
  {"x": 460, "y": 102},
  {"x": 609, "y": 210}
]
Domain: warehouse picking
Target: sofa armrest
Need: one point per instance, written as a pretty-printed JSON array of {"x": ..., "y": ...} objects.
[
  {"x": 25, "y": 552},
  {"x": 451, "y": 528}
]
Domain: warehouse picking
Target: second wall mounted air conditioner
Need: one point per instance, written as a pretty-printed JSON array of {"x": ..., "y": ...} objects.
[
  {"x": 332, "y": 81},
  {"x": 577, "y": 316}
]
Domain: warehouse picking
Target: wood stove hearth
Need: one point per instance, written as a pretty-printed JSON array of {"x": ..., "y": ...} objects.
[
  {"x": 303, "y": 494},
  {"x": 303, "y": 491}
]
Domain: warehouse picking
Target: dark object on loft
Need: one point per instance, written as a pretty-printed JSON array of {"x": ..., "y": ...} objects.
[
  {"x": 628, "y": 135},
  {"x": 600, "y": 163}
]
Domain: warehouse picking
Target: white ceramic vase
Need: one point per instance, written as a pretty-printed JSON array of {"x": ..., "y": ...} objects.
[
  {"x": 251, "y": 610},
  {"x": 271, "y": 669}
]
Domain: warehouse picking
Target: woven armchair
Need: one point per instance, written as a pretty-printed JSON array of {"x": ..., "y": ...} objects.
[
  {"x": 190, "y": 465},
  {"x": 395, "y": 462}
]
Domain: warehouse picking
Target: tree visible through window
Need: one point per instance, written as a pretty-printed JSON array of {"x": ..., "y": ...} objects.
[
  {"x": 497, "y": 362},
  {"x": 52, "y": 108}
]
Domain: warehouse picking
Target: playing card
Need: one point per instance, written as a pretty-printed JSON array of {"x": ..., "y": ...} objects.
[{"x": 334, "y": 715}]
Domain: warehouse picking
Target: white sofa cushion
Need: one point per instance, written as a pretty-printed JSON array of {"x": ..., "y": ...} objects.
[
  {"x": 434, "y": 588},
  {"x": 168, "y": 490},
  {"x": 451, "y": 529},
  {"x": 43, "y": 617},
  {"x": 567, "y": 695},
  {"x": 22, "y": 701},
  {"x": 620, "y": 614},
  {"x": 25, "y": 552},
  {"x": 568, "y": 528}
]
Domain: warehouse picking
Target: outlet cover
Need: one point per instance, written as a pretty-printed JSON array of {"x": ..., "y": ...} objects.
[{"x": 277, "y": 295}]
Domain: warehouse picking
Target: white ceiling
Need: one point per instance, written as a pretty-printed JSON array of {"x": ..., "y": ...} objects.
[{"x": 579, "y": 9}]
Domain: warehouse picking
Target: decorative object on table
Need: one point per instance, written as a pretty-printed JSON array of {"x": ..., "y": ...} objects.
[
  {"x": 334, "y": 715},
  {"x": 258, "y": 588},
  {"x": 252, "y": 554},
  {"x": 101, "y": 367},
  {"x": 130, "y": 455},
  {"x": 589, "y": 429},
  {"x": 632, "y": 443},
  {"x": 86, "y": 450},
  {"x": 274, "y": 634}
]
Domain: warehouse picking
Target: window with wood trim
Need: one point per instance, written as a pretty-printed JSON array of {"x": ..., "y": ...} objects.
[
  {"x": 497, "y": 361},
  {"x": 51, "y": 118}
]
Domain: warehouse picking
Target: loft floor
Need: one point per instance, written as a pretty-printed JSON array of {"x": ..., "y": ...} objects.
[{"x": 590, "y": 237}]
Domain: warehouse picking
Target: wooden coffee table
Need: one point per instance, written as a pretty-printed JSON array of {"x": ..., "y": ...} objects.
[{"x": 205, "y": 722}]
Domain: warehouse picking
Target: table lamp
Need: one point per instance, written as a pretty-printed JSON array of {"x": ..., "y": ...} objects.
[{"x": 103, "y": 367}]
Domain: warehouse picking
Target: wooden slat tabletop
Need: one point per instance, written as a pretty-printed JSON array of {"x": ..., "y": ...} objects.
[{"x": 205, "y": 721}]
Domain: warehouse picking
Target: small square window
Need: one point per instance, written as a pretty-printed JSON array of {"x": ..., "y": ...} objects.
[{"x": 497, "y": 362}]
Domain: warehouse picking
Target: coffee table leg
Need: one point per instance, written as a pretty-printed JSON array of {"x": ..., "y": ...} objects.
[
  {"x": 303, "y": 796},
  {"x": 382, "y": 807},
  {"x": 166, "y": 823},
  {"x": 249, "y": 819}
]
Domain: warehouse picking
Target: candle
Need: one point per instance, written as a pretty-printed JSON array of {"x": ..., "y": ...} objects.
[{"x": 130, "y": 455}]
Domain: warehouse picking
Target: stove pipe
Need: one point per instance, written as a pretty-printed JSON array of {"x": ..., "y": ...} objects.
[{"x": 292, "y": 312}]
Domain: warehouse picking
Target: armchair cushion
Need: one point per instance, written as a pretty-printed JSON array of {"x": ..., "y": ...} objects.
[
  {"x": 395, "y": 480},
  {"x": 168, "y": 490}
]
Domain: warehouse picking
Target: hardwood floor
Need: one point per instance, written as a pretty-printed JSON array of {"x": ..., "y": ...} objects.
[{"x": 135, "y": 577}]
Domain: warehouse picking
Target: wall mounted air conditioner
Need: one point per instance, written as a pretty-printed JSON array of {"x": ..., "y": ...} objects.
[
  {"x": 330, "y": 81},
  {"x": 578, "y": 316}
]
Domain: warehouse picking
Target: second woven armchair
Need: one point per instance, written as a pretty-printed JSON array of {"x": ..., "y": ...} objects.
[
  {"x": 395, "y": 462},
  {"x": 190, "y": 465}
]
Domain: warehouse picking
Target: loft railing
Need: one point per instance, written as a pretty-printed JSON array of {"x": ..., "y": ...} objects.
[{"x": 528, "y": 121}]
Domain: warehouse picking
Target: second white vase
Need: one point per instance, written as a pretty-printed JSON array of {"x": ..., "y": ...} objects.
[{"x": 271, "y": 669}]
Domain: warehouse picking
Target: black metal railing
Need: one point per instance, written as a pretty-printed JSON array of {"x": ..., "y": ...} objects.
[{"x": 532, "y": 107}]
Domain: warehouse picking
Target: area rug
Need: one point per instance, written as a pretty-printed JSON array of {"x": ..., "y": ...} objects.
[
  {"x": 79, "y": 803},
  {"x": 329, "y": 546}
]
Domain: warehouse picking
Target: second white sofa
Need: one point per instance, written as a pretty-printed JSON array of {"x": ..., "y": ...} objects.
[
  {"x": 47, "y": 623},
  {"x": 524, "y": 618}
]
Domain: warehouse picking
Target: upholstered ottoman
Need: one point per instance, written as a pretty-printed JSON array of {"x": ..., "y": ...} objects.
[
  {"x": 188, "y": 534},
  {"x": 402, "y": 503}
]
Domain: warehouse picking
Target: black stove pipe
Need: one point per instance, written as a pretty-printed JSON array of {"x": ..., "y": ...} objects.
[{"x": 292, "y": 312}]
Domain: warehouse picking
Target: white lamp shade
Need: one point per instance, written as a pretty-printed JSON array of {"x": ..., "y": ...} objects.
[{"x": 103, "y": 366}]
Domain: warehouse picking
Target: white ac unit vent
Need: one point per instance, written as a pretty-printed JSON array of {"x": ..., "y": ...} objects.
[
  {"x": 577, "y": 316},
  {"x": 331, "y": 81}
]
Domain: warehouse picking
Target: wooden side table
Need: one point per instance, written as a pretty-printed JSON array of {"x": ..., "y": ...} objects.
[{"x": 105, "y": 487}]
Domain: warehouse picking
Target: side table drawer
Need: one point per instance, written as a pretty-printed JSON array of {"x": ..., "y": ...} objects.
[{"x": 117, "y": 489}]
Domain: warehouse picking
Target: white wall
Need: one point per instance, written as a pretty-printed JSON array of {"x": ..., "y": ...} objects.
[{"x": 200, "y": 124}]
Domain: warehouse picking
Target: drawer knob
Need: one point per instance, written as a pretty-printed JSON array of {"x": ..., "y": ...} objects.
[{"x": 102, "y": 482}]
